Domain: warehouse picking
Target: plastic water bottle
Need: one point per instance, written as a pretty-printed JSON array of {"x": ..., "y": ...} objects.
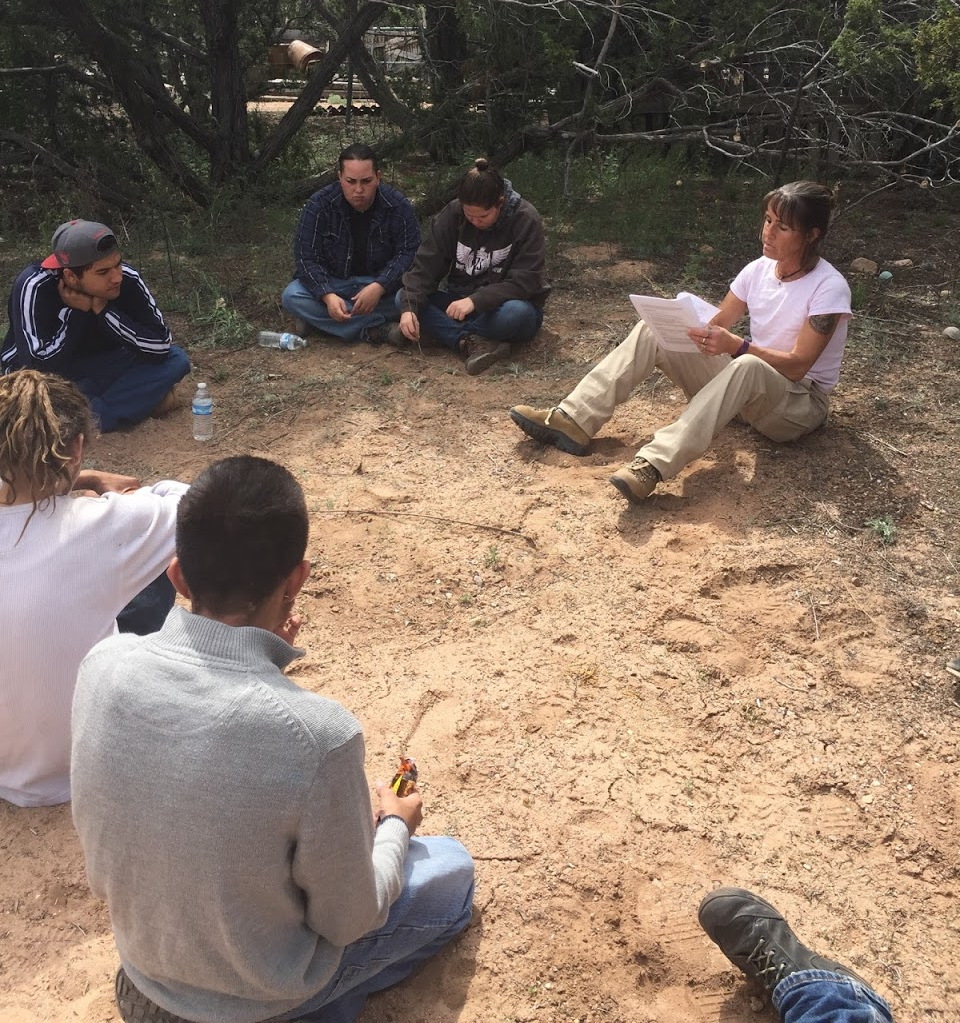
[
  {"x": 287, "y": 341},
  {"x": 202, "y": 414}
]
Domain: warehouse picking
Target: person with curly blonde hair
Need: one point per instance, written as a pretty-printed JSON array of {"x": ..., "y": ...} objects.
[{"x": 70, "y": 565}]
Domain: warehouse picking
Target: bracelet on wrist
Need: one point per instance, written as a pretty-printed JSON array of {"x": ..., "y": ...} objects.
[{"x": 744, "y": 346}]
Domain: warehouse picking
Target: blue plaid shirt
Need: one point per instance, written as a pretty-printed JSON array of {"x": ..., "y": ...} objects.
[{"x": 323, "y": 245}]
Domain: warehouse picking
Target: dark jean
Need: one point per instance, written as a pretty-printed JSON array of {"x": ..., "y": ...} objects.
[
  {"x": 817, "y": 996},
  {"x": 433, "y": 908},
  {"x": 124, "y": 387},
  {"x": 514, "y": 320},
  {"x": 149, "y": 608},
  {"x": 297, "y": 300}
]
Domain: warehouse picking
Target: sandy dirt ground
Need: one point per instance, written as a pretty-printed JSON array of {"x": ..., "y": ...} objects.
[{"x": 615, "y": 709}]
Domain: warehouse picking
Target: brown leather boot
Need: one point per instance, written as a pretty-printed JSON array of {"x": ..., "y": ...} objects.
[
  {"x": 166, "y": 404},
  {"x": 481, "y": 354},
  {"x": 551, "y": 426},
  {"x": 636, "y": 481}
]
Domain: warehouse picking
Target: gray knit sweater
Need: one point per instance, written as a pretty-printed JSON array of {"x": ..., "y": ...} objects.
[{"x": 225, "y": 817}]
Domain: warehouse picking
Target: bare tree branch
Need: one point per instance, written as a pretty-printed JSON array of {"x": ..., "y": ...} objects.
[
  {"x": 374, "y": 81},
  {"x": 83, "y": 77},
  {"x": 61, "y": 167},
  {"x": 181, "y": 45},
  {"x": 324, "y": 71}
]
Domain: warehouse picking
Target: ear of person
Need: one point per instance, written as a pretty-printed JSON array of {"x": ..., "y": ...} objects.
[{"x": 176, "y": 576}]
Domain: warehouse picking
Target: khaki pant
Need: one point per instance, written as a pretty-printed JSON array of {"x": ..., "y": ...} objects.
[{"x": 718, "y": 388}]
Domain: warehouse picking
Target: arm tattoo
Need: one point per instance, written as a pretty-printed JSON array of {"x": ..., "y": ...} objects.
[{"x": 825, "y": 324}]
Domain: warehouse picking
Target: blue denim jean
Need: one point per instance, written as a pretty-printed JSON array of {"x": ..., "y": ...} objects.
[
  {"x": 433, "y": 908},
  {"x": 514, "y": 320},
  {"x": 149, "y": 608},
  {"x": 124, "y": 387},
  {"x": 297, "y": 300},
  {"x": 818, "y": 996}
]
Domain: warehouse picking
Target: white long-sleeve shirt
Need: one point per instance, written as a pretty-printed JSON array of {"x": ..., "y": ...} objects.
[{"x": 64, "y": 577}]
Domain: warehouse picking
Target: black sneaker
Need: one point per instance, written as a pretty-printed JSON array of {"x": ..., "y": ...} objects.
[
  {"x": 757, "y": 940},
  {"x": 135, "y": 1007},
  {"x": 954, "y": 666}
]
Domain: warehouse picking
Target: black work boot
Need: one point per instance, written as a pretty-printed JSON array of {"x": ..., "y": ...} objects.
[{"x": 757, "y": 940}]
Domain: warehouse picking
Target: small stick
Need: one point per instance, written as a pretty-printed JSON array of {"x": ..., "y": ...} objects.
[
  {"x": 816, "y": 624},
  {"x": 507, "y": 859},
  {"x": 793, "y": 689},
  {"x": 880, "y": 440},
  {"x": 436, "y": 518}
]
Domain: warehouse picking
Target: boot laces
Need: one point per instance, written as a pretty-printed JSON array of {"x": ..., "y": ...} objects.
[
  {"x": 769, "y": 970},
  {"x": 478, "y": 345},
  {"x": 643, "y": 470}
]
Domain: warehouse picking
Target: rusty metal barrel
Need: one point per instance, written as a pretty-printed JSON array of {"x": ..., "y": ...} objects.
[{"x": 302, "y": 54}]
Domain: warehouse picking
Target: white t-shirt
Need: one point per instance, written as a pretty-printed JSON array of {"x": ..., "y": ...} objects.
[
  {"x": 62, "y": 584},
  {"x": 779, "y": 309}
]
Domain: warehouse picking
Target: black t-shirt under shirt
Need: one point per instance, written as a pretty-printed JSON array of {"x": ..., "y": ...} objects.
[{"x": 360, "y": 230}]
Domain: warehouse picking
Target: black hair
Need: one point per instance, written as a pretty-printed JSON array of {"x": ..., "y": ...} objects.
[
  {"x": 358, "y": 151},
  {"x": 803, "y": 205},
  {"x": 241, "y": 529},
  {"x": 482, "y": 185}
]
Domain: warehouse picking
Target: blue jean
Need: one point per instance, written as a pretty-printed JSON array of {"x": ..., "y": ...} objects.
[
  {"x": 297, "y": 300},
  {"x": 817, "y": 996},
  {"x": 124, "y": 387},
  {"x": 149, "y": 608},
  {"x": 514, "y": 320},
  {"x": 433, "y": 908}
]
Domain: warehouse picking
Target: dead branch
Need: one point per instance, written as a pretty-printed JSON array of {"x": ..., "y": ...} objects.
[
  {"x": 56, "y": 163},
  {"x": 322, "y": 75},
  {"x": 515, "y": 533}
]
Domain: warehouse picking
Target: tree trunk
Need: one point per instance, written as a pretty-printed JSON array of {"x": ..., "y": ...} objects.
[
  {"x": 379, "y": 88},
  {"x": 447, "y": 47},
  {"x": 228, "y": 91}
]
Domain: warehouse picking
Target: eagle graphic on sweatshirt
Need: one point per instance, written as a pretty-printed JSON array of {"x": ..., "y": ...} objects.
[{"x": 477, "y": 262}]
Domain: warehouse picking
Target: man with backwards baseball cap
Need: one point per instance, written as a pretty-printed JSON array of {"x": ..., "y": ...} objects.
[{"x": 85, "y": 315}]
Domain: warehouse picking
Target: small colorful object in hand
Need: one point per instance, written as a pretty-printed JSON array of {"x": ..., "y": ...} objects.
[{"x": 406, "y": 777}]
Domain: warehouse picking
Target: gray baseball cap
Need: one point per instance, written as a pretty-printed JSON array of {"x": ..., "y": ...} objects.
[{"x": 79, "y": 242}]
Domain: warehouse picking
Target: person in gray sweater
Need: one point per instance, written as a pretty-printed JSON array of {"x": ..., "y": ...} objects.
[{"x": 224, "y": 812}]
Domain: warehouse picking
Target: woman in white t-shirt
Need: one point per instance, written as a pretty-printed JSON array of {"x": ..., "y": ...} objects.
[
  {"x": 68, "y": 565},
  {"x": 777, "y": 377}
]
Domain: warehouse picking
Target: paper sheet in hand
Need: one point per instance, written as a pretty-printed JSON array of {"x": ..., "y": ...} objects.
[{"x": 671, "y": 318}]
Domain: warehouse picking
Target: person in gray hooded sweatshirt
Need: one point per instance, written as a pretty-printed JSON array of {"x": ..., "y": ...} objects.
[{"x": 488, "y": 244}]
